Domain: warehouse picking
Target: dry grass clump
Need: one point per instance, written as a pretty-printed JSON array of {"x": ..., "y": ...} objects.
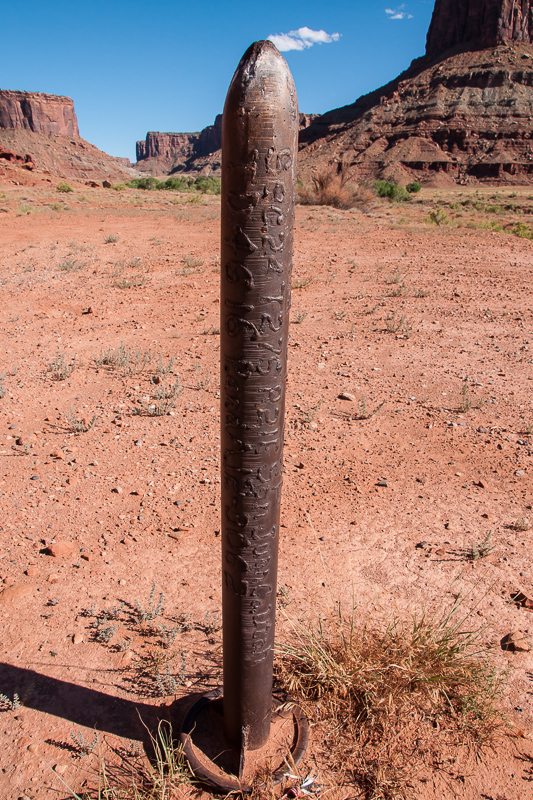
[
  {"x": 135, "y": 778},
  {"x": 333, "y": 189},
  {"x": 387, "y": 693}
]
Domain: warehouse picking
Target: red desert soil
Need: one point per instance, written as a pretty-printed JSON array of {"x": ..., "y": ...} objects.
[{"x": 92, "y": 281}]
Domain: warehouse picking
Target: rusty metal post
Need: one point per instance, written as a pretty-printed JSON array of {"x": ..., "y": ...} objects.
[{"x": 259, "y": 145}]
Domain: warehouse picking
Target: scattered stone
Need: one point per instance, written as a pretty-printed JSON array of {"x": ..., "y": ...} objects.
[
  {"x": 31, "y": 572},
  {"x": 523, "y": 600},
  {"x": 440, "y": 552},
  {"x": 77, "y": 638},
  {"x": 347, "y": 396},
  {"x": 58, "y": 455},
  {"x": 15, "y": 591},
  {"x": 36, "y": 478},
  {"x": 515, "y": 642},
  {"x": 519, "y": 473},
  {"x": 481, "y": 484},
  {"x": 383, "y": 483},
  {"x": 117, "y": 489},
  {"x": 61, "y": 549},
  {"x": 53, "y": 578},
  {"x": 9, "y": 581},
  {"x": 59, "y": 768},
  {"x": 32, "y": 748},
  {"x": 88, "y": 310},
  {"x": 87, "y": 556},
  {"x": 107, "y": 184},
  {"x": 422, "y": 545}
]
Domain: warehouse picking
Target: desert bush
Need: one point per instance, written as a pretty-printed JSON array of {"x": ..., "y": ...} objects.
[
  {"x": 201, "y": 184},
  {"x": 332, "y": 189},
  {"x": 391, "y": 190},
  {"x": 522, "y": 230},
  {"x": 63, "y": 186},
  {"x": 413, "y": 187}
]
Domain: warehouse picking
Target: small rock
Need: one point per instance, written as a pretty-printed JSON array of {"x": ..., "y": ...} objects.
[
  {"x": 15, "y": 591},
  {"x": 422, "y": 545},
  {"x": 32, "y": 748},
  {"x": 519, "y": 473},
  {"x": 117, "y": 489},
  {"x": 31, "y": 572},
  {"x": 515, "y": 642},
  {"x": 53, "y": 578},
  {"x": 382, "y": 483},
  {"x": 61, "y": 549},
  {"x": 347, "y": 396},
  {"x": 9, "y": 581},
  {"x": 440, "y": 552},
  {"x": 59, "y": 768},
  {"x": 481, "y": 484},
  {"x": 57, "y": 455},
  {"x": 77, "y": 638}
]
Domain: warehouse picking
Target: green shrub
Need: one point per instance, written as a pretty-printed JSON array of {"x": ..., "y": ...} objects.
[
  {"x": 413, "y": 187},
  {"x": 185, "y": 183},
  {"x": 64, "y": 187},
  {"x": 392, "y": 191},
  {"x": 522, "y": 230}
]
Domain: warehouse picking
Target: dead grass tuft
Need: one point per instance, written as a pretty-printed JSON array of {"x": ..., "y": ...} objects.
[
  {"x": 334, "y": 189},
  {"x": 378, "y": 688}
]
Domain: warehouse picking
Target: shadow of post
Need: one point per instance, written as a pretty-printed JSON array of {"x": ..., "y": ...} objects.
[{"x": 83, "y": 706}]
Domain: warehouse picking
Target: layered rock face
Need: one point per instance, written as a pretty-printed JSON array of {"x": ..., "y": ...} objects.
[
  {"x": 46, "y": 114},
  {"x": 463, "y": 111},
  {"x": 478, "y": 24},
  {"x": 167, "y": 153},
  {"x": 176, "y": 152}
]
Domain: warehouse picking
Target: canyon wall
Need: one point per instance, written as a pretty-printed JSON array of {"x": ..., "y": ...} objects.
[
  {"x": 478, "y": 24},
  {"x": 46, "y": 114}
]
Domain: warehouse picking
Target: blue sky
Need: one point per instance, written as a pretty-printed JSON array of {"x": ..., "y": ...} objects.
[{"x": 132, "y": 66}]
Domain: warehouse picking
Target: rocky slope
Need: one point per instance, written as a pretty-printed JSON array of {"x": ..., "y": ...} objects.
[
  {"x": 464, "y": 111},
  {"x": 41, "y": 132},
  {"x": 41, "y": 113},
  {"x": 61, "y": 157}
]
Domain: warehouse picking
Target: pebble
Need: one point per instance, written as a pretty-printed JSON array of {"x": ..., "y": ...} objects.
[
  {"x": 440, "y": 552},
  {"x": 77, "y": 638},
  {"x": 59, "y": 768},
  {"x": 117, "y": 489},
  {"x": 382, "y": 483},
  {"x": 61, "y": 549},
  {"x": 519, "y": 473},
  {"x": 516, "y": 642},
  {"x": 53, "y": 578},
  {"x": 34, "y": 478},
  {"x": 31, "y": 572},
  {"x": 422, "y": 545},
  {"x": 32, "y": 748},
  {"x": 347, "y": 396},
  {"x": 9, "y": 581},
  {"x": 15, "y": 591}
]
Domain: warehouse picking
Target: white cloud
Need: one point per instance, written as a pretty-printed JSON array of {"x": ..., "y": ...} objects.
[
  {"x": 398, "y": 13},
  {"x": 302, "y": 39}
]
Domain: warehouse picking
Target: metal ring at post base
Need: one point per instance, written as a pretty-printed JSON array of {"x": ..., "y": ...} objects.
[{"x": 227, "y": 783}]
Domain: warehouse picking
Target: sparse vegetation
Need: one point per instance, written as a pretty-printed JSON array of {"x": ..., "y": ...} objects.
[
  {"x": 481, "y": 549},
  {"x": 398, "y": 323},
  {"x": 61, "y": 367},
  {"x": 111, "y": 238},
  {"x": 364, "y": 681},
  {"x": 165, "y": 398},
  {"x": 413, "y": 187},
  {"x": 79, "y": 425},
  {"x": 124, "y": 359},
  {"x": 391, "y": 190},
  {"x": 64, "y": 187},
  {"x": 202, "y": 184}
]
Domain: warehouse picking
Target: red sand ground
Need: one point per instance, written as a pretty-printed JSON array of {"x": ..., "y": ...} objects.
[{"x": 134, "y": 500}]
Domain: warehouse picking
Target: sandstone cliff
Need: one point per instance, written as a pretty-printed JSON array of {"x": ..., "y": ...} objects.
[
  {"x": 463, "y": 111},
  {"x": 47, "y": 114},
  {"x": 478, "y": 24},
  {"x": 165, "y": 153},
  {"x": 169, "y": 153}
]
